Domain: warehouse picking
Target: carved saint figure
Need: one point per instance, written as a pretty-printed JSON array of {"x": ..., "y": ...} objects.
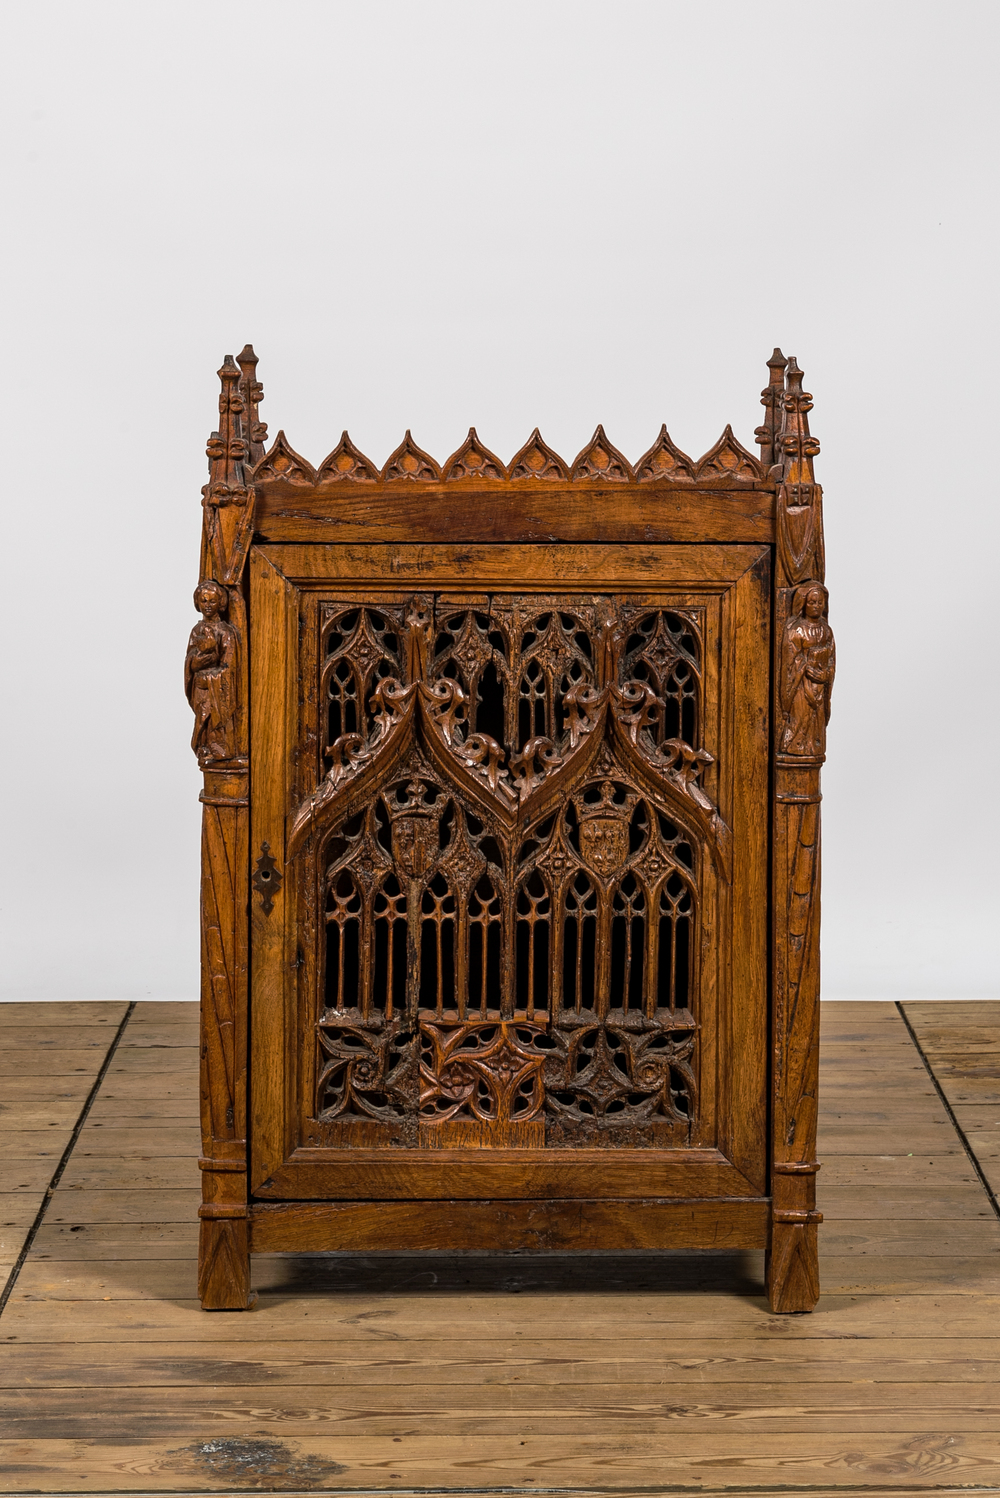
[
  {"x": 808, "y": 662},
  {"x": 209, "y": 676}
]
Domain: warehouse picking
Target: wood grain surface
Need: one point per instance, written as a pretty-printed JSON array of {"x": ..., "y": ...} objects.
[{"x": 585, "y": 1373}]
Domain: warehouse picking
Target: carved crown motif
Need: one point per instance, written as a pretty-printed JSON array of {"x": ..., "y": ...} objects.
[
  {"x": 414, "y": 803},
  {"x": 608, "y": 805}
]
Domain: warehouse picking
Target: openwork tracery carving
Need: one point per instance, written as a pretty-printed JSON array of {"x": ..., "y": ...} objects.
[{"x": 509, "y": 839}]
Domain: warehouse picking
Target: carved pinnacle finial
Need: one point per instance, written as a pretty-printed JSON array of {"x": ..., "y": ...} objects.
[
  {"x": 770, "y": 399},
  {"x": 799, "y": 503},
  {"x": 225, "y": 497},
  {"x": 253, "y": 429},
  {"x": 798, "y": 448}
]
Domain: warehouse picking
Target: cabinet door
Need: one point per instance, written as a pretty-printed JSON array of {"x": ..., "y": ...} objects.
[{"x": 509, "y": 825}]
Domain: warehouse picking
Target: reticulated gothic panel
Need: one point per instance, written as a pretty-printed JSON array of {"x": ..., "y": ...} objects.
[{"x": 509, "y": 843}]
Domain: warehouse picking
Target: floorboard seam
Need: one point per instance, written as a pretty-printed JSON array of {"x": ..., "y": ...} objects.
[
  {"x": 658, "y": 1490},
  {"x": 64, "y": 1160},
  {"x": 990, "y": 1193}
]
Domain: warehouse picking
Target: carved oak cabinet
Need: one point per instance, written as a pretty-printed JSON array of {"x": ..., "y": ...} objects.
[{"x": 510, "y": 863}]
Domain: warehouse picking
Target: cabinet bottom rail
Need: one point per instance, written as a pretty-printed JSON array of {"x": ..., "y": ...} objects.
[{"x": 501, "y": 1226}]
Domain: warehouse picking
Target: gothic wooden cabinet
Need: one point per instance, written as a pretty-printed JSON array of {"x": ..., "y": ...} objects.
[{"x": 510, "y": 900}]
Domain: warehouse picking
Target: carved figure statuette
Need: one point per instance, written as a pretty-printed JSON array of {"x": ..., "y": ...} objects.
[
  {"x": 808, "y": 662},
  {"x": 209, "y": 676}
]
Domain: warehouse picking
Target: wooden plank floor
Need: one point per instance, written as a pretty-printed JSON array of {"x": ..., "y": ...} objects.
[{"x": 592, "y": 1374}]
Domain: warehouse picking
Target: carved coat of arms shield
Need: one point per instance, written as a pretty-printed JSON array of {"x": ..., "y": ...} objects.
[
  {"x": 604, "y": 844},
  {"x": 415, "y": 844}
]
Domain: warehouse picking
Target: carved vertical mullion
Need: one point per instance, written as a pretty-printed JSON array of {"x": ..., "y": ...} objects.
[
  {"x": 509, "y": 948},
  {"x": 439, "y": 959},
  {"x": 512, "y": 669},
  {"x": 462, "y": 927},
  {"x": 550, "y": 674},
  {"x": 556, "y": 947},
  {"x": 414, "y": 900},
  {"x": 652, "y": 894},
  {"x": 366, "y": 949},
  {"x": 793, "y": 1279},
  {"x": 672, "y": 980},
  {"x": 603, "y": 987}
]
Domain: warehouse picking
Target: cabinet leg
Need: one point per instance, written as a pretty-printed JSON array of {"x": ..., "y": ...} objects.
[
  {"x": 793, "y": 1263},
  {"x": 224, "y": 1265}
]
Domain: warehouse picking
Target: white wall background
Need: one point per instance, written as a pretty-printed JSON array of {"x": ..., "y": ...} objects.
[{"x": 429, "y": 214}]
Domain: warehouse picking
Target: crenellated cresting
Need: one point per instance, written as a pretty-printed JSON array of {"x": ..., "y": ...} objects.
[{"x": 727, "y": 464}]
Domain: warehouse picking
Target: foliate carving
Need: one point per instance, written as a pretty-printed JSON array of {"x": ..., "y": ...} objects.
[
  {"x": 600, "y": 460},
  {"x": 728, "y": 461},
  {"x": 283, "y": 462},
  {"x": 351, "y": 755},
  {"x": 410, "y": 462},
  {"x": 347, "y": 462},
  {"x": 491, "y": 1073},
  {"x": 529, "y": 768},
  {"x": 367, "y": 1072},
  {"x": 484, "y": 757},
  {"x": 210, "y": 677},
  {"x": 664, "y": 460},
  {"x": 536, "y": 460},
  {"x": 808, "y": 664},
  {"x": 474, "y": 461},
  {"x": 616, "y": 1083}
]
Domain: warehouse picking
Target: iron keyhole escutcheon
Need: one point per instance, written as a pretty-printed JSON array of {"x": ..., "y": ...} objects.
[{"x": 267, "y": 879}]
